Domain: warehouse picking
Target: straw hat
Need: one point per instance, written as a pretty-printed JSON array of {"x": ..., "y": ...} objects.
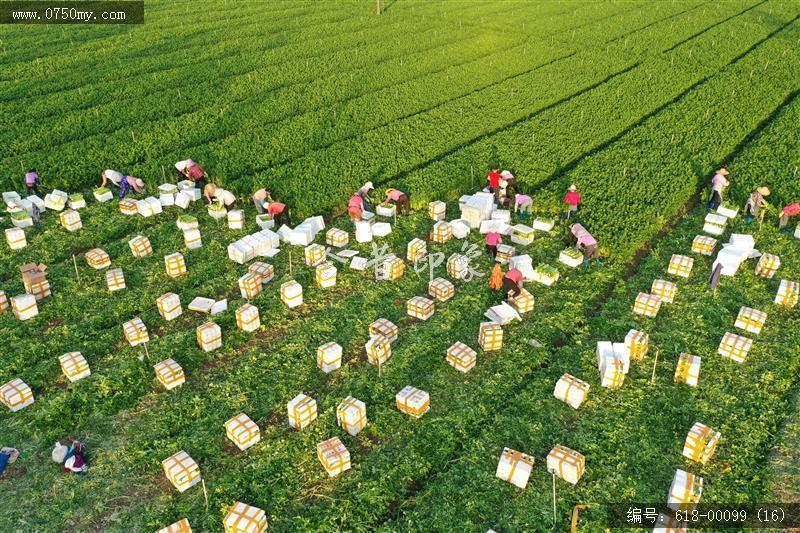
[
  {"x": 573, "y": 188},
  {"x": 368, "y": 186},
  {"x": 723, "y": 171},
  {"x": 763, "y": 191}
]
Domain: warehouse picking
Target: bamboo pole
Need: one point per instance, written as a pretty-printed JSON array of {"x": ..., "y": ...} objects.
[
  {"x": 75, "y": 264},
  {"x": 554, "y": 502},
  {"x": 655, "y": 362}
]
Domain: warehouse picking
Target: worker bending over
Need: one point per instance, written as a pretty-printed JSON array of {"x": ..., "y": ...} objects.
[
  {"x": 754, "y": 204},
  {"x": 399, "y": 198},
  {"x": 584, "y": 243},
  {"x": 512, "y": 283},
  {"x": 223, "y": 197}
]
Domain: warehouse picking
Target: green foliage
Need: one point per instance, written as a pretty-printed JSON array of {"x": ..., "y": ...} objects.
[{"x": 635, "y": 106}]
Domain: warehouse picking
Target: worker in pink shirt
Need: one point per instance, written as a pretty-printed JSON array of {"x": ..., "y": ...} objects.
[
  {"x": 355, "y": 207},
  {"x": 493, "y": 238},
  {"x": 572, "y": 199},
  {"x": 523, "y": 205},
  {"x": 399, "y": 198},
  {"x": 584, "y": 243},
  {"x": 512, "y": 283},
  {"x": 718, "y": 184},
  {"x": 32, "y": 181}
]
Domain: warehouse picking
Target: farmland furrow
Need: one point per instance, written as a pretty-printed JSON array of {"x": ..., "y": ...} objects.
[
  {"x": 30, "y": 45},
  {"x": 698, "y": 34},
  {"x": 157, "y": 123},
  {"x": 416, "y": 450},
  {"x": 86, "y": 123},
  {"x": 229, "y": 48},
  {"x": 541, "y": 163},
  {"x": 398, "y": 444},
  {"x": 544, "y": 428},
  {"x": 653, "y": 23}
]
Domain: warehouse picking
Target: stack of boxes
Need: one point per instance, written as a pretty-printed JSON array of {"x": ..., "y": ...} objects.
[
  {"x": 302, "y": 411},
  {"x": 248, "y": 318},
  {"x": 169, "y": 306},
  {"x": 34, "y": 278},
  {"x": 242, "y": 431},
  {"x": 329, "y": 357},
  {"x": 461, "y": 357},
  {"x": 209, "y": 336}
]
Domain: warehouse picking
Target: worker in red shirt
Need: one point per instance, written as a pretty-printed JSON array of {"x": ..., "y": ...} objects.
[
  {"x": 494, "y": 180},
  {"x": 492, "y": 240},
  {"x": 572, "y": 199},
  {"x": 355, "y": 207},
  {"x": 264, "y": 203},
  {"x": 512, "y": 283},
  {"x": 786, "y": 213}
]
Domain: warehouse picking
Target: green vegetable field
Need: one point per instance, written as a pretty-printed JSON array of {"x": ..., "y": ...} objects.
[{"x": 636, "y": 102}]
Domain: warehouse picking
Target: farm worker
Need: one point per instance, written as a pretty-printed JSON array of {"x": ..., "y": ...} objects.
[
  {"x": 192, "y": 171},
  {"x": 493, "y": 238},
  {"x": 399, "y": 198},
  {"x": 584, "y": 243},
  {"x": 718, "y": 184},
  {"x": 113, "y": 176},
  {"x": 512, "y": 282},
  {"x": 130, "y": 184},
  {"x": 523, "y": 204},
  {"x": 755, "y": 202},
  {"x": 276, "y": 210},
  {"x": 72, "y": 457},
  {"x": 260, "y": 197},
  {"x": 496, "y": 278},
  {"x": 355, "y": 207},
  {"x": 364, "y": 192},
  {"x": 786, "y": 213},
  {"x": 32, "y": 181},
  {"x": 510, "y": 182},
  {"x": 494, "y": 180},
  {"x": 7, "y": 457},
  {"x": 572, "y": 199},
  {"x": 223, "y": 197}
]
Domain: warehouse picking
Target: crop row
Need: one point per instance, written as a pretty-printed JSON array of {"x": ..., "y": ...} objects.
[
  {"x": 773, "y": 163},
  {"x": 203, "y": 126},
  {"x": 166, "y": 72},
  {"x": 180, "y": 102},
  {"x": 684, "y": 146},
  {"x": 633, "y": 437},
  {"x": 39, "y": 76},
  {"x": 373, "y": 486},
  {"x": 469, "y": 114},
  {"x": 374, "y": 510},
  {"x": 544, "y": 145},
  {"x": 28, "y": 45},
  {"x": 273, "y": 87}
]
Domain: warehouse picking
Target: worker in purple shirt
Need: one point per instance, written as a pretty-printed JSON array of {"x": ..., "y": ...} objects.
[
  {"x": 132, "y": 185},
  {"x": 32, "y": 181}
]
